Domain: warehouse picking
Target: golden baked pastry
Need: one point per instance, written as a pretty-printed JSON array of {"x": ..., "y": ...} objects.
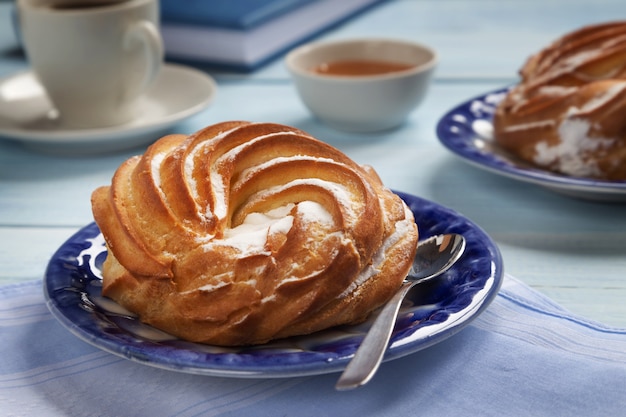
[
  {"x": 567, "y": 112},
  {"x": 246, "y": 232}
]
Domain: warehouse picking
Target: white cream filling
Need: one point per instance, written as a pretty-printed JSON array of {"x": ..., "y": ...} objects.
[
  {"x": 341, "y": 194},
  {"x": 312, "y": 212},
  {"x": 250, "y": 237},
  {"x": 568, "y": 155}
]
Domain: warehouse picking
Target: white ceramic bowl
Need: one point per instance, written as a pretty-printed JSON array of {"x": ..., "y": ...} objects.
[{"x": 362, "y": 103}]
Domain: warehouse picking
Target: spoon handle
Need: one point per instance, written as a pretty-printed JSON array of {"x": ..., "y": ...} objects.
[{"x": 370, "y": 354}]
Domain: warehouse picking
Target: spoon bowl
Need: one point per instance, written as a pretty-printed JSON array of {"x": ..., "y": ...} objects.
[{"x": 433, "y": 257}]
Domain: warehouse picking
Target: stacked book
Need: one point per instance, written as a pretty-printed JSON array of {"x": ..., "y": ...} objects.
[{"x": 245, "y": 34}]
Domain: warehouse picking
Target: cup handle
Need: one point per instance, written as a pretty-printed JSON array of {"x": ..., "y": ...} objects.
[{"x": 146, "y": 34}]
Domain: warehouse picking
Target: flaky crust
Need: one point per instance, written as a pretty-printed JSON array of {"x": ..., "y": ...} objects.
[
  {"x": 567, "y": 113},
  {"x": 246, "y": 232}
]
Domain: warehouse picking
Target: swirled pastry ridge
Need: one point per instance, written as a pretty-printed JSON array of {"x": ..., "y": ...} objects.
[
  {"x": 567, "y": 112},
  {"x": 246, "y": 232}
]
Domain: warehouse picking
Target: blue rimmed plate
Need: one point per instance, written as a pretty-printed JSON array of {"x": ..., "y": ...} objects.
[
  {"x": 435, "y": 311},
  {"x": 467, "y": 131}
]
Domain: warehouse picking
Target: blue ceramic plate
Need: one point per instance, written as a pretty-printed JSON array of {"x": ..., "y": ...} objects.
[
  {"x": 467, "y": 131},
  {"x": 435, "y": 311}
]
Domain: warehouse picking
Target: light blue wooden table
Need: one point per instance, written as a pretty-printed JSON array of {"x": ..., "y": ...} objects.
[
  {"x": 523, "y": 356},
  {"x": 571, "y": 250}
]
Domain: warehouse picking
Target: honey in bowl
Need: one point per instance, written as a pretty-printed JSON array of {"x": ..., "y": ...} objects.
[{"x": 356, "y": 68}]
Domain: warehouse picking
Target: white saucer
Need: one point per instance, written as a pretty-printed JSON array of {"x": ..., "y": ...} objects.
[{"x": 26, "y": 114}]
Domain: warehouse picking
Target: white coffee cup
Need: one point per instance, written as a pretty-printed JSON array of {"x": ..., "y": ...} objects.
[{"x": 94, "y": 58}]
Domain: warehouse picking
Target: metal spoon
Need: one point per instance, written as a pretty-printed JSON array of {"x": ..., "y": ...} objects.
[{"x": 434, "y": 256}]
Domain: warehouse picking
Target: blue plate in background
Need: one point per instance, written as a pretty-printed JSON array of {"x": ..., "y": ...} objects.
[{"x": 467, "y": 131}]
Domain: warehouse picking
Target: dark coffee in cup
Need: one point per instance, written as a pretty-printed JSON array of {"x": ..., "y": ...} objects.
[
  {"x": 75, "y": 6},
  {"x": 81, "y": 4}
]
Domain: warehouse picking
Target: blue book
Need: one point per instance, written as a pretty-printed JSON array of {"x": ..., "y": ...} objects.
[
  {"x": 246, "y": 34},
  {"x": 233, "y": 14}
]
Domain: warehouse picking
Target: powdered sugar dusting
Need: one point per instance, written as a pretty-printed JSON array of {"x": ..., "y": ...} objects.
[
  {"x": 217, "y": 181},
  {"x": 190, "y": 166},
  {"x": 402, "y": 227},
  {"x": 556, "y": 90},
  {"x": 532, "y": 125},
  {"x": 249, "y": 172},
  {"x": 600, "y": 100}
]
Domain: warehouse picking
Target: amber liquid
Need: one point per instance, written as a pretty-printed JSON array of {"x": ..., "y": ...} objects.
[{"x": 358, "y": 68}]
